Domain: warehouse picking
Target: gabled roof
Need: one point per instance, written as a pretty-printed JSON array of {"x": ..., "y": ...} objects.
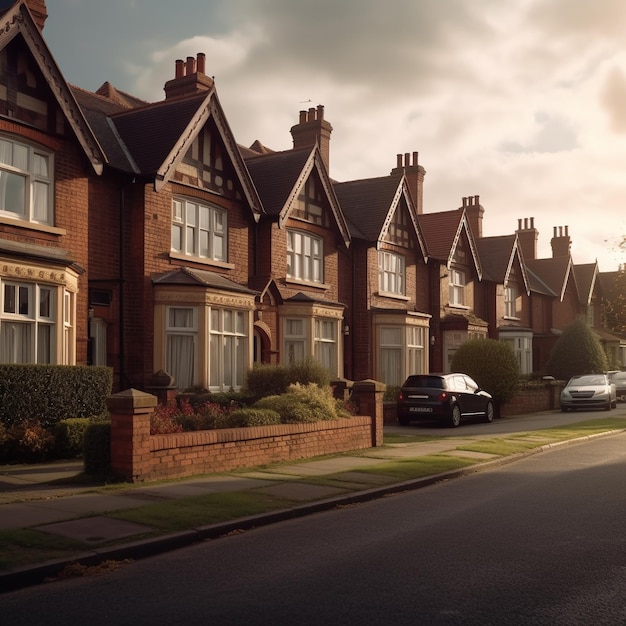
[
  {"x": 369, "y": 206},
  {"x": 442, "y": 232},
  {"x": 151, "y": 140},
  {"x": 280, "y": 176},
  {"x": 550, "y": 275},
  {"x": 497, "y": 257},
  {"x": 585, "y": 276},
  {"x": 17, "y": 20},
  {"x": 201, "y": 278}
]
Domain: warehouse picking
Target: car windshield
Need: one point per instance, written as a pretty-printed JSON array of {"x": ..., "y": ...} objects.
[
  {"x": 588, "y": 380},
  {"x": 619, "y": 376},
  {"x": 430, "y": 382}
]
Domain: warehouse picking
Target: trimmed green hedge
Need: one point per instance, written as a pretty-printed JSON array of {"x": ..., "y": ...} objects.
[{"x": 51, "y": 393}]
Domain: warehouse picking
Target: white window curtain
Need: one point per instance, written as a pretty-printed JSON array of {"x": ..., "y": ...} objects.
[{"x": 390, "y": 351}]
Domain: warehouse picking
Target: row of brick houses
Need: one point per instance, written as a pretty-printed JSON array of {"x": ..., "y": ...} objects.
[{"x": 142, "y": 236}]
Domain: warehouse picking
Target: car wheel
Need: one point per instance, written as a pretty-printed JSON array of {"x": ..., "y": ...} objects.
[
  {"x": 608, "y": 406},
  {"x": 614, "y": 405},
  {"x": 455, "y": 416},
  {"x": 489, "y": 412}
]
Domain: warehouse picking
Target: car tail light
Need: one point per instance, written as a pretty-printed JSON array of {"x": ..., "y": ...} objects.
[
  {"x": 400, "y": 396},
  {"x": 442, "y": 396}
]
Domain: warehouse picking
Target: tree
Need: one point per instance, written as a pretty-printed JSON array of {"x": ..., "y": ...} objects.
[
  {"x": 577, "y": 351},
  {"x": 492, "y": 364}
]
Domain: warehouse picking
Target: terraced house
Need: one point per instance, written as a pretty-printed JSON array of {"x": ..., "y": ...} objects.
[{"x": 142, "y": 236}]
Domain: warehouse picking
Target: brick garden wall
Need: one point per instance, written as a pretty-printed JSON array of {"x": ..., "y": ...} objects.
[{"x": 137, "y": 456}]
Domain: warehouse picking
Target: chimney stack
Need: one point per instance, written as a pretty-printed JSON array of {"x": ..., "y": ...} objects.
[
  {"x": 527, "y": 236},
  {"x": 561, "y": 242},
  {"x": 414, "y": 172},
  {"x": 189, "y": 77},
  {"x": 312, "y": 128},
  {"x": 475, "y": 213}
]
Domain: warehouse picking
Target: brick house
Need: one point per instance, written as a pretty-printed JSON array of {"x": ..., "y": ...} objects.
[
  {"x": 458, "y": 311},
  {"x": 302, "y": 267},
  {"x": 390, "y": 302},
  {"x": 170, "y": 243},
  {"x": 506, "y": 293},
  {"x": 48, "y": 155}
]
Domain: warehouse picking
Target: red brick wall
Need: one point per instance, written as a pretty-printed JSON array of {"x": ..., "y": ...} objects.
[{"x": 186, "y": 454}]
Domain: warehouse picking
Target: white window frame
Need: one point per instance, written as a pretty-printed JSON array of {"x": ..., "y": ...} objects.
[
  {"x": 457, "y": 287},
  {"x": 29, "y": 325},
  {"x": 510, "y": 295},
  {"x": 181, "y": 344},
  {"x": 199, "y": 230},
  {"x": 34, "y": 168},
  {"x": 295, "y": 339},
  {"x": 522, "y": 347},
  {"x": 391, "y": 273},
  {"x": 228, "y": 349},
  {"x": 325, "y": 343},
  {"x": 305, "y": 256}
]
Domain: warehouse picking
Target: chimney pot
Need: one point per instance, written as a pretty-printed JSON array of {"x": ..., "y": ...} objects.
[
  {"x": 519, "y": 223},
  {"x": 407, "y": 159},
  {"x": 201, "y": 63},
  {"x": 320, "y": 112},
  {"x": 190, "y": 67},
  {"x": 302, "y": 119},
  {"x": 567, "y": 231},
  {"x": 415, "y": 159},
  {"x": 398, "y": 160},
  {"x": 532, "y": 222},
  {"x": 464, "y": 199},
  {"x": 180, "y": 65},
  {"x": 312, "y": 114},
  {"x": 476, "y": 200}
]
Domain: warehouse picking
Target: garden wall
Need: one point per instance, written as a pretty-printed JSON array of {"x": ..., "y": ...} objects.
[{"x": 138, "y": 456}]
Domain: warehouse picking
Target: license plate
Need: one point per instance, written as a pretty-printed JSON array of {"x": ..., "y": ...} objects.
[{"x": 420, "y": 409}]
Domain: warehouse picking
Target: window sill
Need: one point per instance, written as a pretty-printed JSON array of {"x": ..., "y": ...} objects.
[
  {"x": 44, "y": 228},
  {"x": 306, "y": 283},
  {"x": 460, "y": 307},
  {"x": 395, "y": 296},
  {"x": 196, "y": 259},
  {"x": 511, "y": 317}
]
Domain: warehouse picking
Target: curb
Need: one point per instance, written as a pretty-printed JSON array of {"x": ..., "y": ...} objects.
[{"x": 50, "y": 570}]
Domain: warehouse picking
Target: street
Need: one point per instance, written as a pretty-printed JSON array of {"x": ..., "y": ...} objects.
[{"x": 539, "y": 541}]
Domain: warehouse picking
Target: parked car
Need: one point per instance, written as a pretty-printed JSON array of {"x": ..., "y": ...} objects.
[
  {"x": 443, "y": 397},
  {"x": 619, "y": 380},
  {"x": 589, "y": 391}
]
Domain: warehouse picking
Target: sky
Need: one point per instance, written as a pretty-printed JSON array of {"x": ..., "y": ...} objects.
[{"x": 521, "y": 102}]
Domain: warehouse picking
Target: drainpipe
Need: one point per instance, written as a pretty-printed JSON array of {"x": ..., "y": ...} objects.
[{"x": 122, "y": 281}]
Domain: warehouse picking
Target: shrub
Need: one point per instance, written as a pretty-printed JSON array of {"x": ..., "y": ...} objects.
[
  {"x": 251, "y": 416},
  {"x": 269, "y": 380},
  {"x": 97, "y": 448},
  {"x": 68, "y": 437},
  {"x": 492, "y": 364},
  {"x": 301, "y": 404},
  {"x": 577, "y": 351},
  {"x": 29, "y": 442}
]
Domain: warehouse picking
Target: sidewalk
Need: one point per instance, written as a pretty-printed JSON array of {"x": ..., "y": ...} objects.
[{"x": 31, "y": 498}]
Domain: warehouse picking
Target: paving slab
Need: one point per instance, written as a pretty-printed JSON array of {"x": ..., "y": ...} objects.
[
  {"x": 198, "y": 488},
  {"x": 328, "y": 466},
  {"x": 95, "y": 529},
  {"x": 468, "y": 454}
]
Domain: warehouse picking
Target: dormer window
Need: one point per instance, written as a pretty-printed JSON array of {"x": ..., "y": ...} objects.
[
  {"x": 25, "y": 182},
  {"x": 457, "y": 288}
]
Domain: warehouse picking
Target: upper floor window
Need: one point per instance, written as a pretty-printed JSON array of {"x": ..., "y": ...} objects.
[
  {"x": 25, "y": 182},
  {"x": 305, "y": 260},
  {"x": 457, "y": 287},
  {"x": 509, "y": 302},
  {"x": 199, "y": 230},
  {"x": 391, "y": 273}
]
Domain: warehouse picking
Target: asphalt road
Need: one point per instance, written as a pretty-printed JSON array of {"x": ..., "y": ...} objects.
[{"x": 539, "y": 541}]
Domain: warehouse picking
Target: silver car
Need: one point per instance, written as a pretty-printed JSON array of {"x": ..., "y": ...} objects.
[{"x": 589, "y": 391}]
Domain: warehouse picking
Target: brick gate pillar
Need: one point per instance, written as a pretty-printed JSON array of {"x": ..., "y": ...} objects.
[
  {"x": 368, "y": 395},
  {"x": 130, "y": 433}
]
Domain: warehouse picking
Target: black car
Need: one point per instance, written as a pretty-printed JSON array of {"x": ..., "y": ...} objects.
[{"x": 443, "y": 397}]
